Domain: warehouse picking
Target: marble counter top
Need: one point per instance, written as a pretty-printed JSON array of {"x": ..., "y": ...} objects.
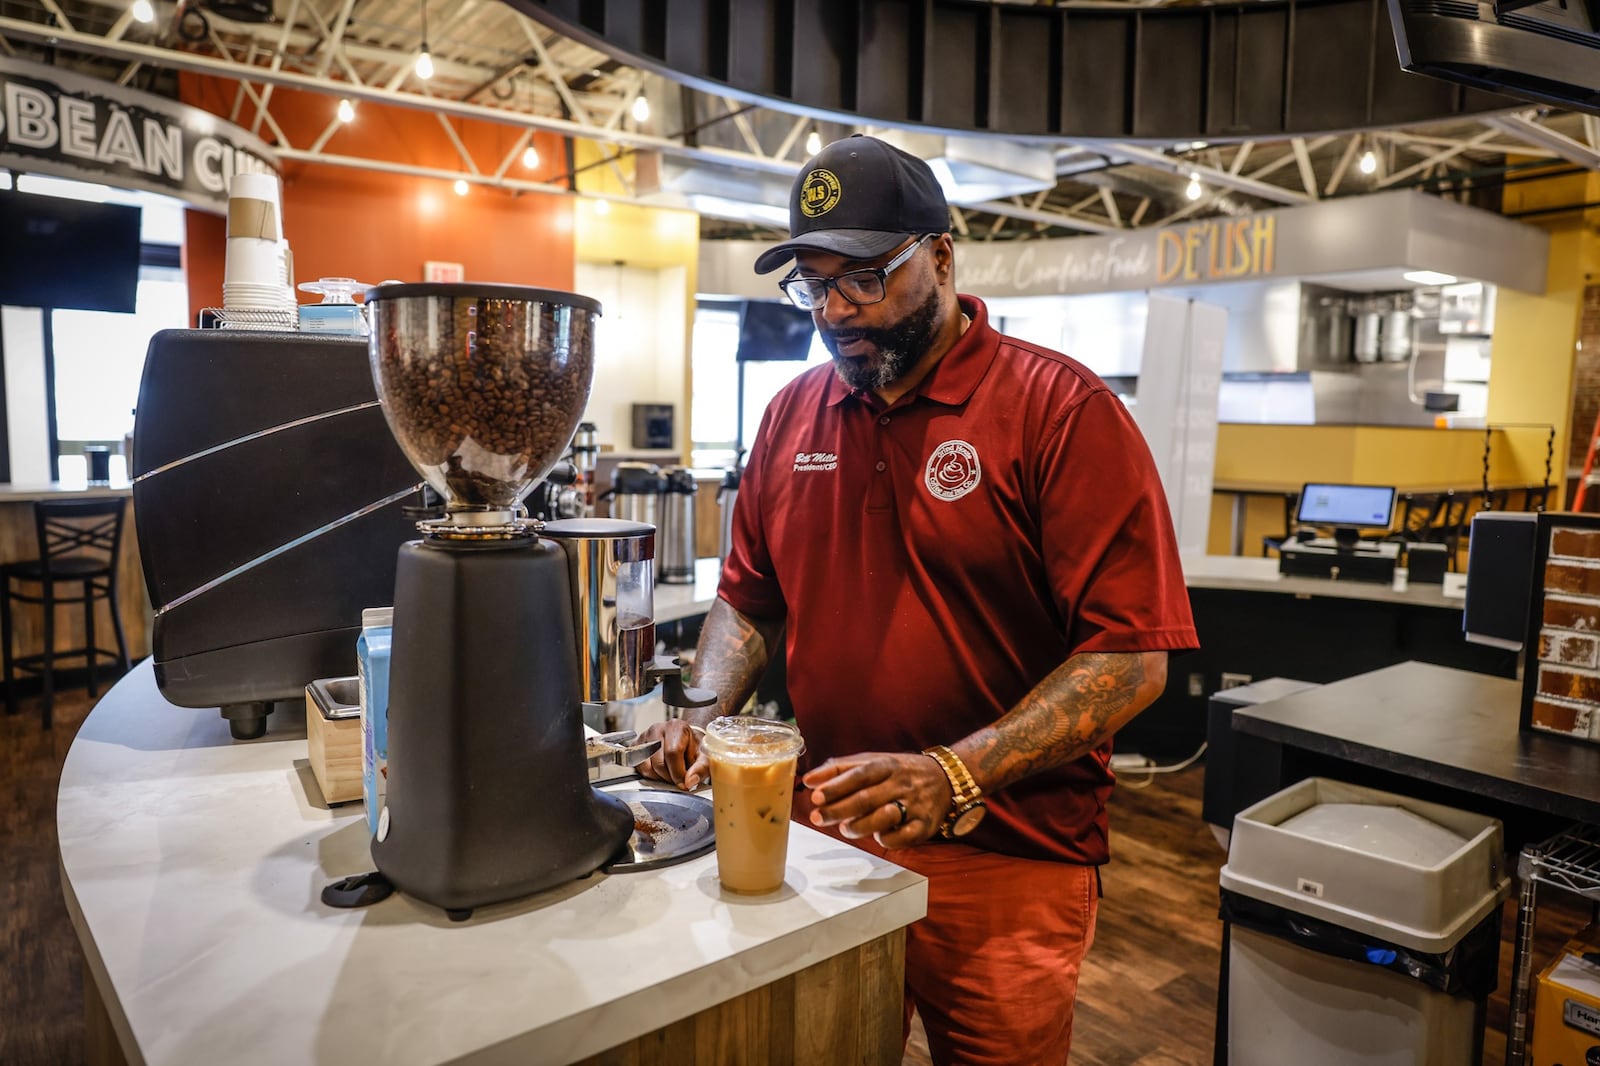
[{"x": 192, "y": 866}]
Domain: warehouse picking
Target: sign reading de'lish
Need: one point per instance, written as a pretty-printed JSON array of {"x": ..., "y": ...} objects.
[
  {"x": 1223, "y": 250},
  {"x": 59, "y": 123}
]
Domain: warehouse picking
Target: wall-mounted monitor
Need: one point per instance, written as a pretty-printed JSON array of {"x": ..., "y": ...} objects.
[
  {"x": 769, "y": 330},
  {"x": 63, "y": 253}
]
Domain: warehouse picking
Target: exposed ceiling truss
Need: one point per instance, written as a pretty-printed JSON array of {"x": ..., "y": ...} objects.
[{"x": 492, "y": 63}]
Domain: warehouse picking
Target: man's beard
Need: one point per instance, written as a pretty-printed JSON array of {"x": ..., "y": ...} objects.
[{"x": 900, "y": 347}]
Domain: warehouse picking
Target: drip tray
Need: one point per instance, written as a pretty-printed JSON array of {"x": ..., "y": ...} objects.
[{"x": 668, "y": 827}]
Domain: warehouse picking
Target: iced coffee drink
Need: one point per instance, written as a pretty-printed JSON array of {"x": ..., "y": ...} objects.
[{"x": 752, "y": 786}]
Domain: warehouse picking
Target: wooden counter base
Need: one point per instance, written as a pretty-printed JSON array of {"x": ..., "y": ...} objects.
[{"x": 843, "y": 1009}]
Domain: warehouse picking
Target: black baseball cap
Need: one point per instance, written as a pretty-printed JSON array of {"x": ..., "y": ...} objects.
[{"x": 858, "y": 198}]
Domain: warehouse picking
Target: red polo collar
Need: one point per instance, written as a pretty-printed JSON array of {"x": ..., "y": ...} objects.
[{"x": 953, "y": 378}]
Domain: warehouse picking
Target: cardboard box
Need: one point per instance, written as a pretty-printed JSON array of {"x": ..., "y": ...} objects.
[{"x": 1566, "y": 1012}]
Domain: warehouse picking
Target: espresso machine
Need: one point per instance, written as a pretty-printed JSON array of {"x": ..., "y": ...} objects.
[{"x": 496, "y": 626}]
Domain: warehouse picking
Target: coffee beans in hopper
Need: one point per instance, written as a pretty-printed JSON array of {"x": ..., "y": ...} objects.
[{"x": 483, "y": 395}]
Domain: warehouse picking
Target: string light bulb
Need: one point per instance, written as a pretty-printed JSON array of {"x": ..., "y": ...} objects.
[
  {"x": 424, "y": 58},
  {"x": 602, "y": 207},
  {"x": 641, "y": 108},
  {"x": 1369, "y": 162},
  {"x": 142, "y": 11},
  {"x": 1195, "y": 190},
  {"x": 461, "y": 186},
  {"x": 347, "y": 111},
  {"x": 530, "y": 157},
  {"x": 813, "y": 142}
]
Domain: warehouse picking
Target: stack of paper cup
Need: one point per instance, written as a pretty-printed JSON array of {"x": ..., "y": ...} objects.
[{"x": 254, "y": 277}]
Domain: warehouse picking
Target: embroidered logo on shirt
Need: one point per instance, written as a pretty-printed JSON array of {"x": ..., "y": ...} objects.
[
  {"x": 815, "y": 461},
  {"x": 953, "y": 470}
]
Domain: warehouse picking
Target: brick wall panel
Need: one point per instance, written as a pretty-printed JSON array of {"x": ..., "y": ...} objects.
[
  {"x": 1561, "y": 718},
  {"x": 1570, "y": 577},
  {"x": 1572, "y": 614},
  {"x": 1569, "y": 650},
  {"x": 1575, "y": 543},
  {"x": 1570, "y": 684}
]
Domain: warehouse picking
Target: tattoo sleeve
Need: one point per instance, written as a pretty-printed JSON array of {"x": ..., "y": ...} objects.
[
  {"x": 731, "y": 657},
  {"x": 1070, "y": 713}
]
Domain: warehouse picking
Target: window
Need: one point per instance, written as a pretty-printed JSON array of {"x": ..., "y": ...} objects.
[
  {"x": 714, "y": 417},
  {"x": 99, "y": 359}
]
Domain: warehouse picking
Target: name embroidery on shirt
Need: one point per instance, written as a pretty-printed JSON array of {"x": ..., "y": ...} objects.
[
  {"x": 807, "y": 461},
  {"x": 953, "y": 470}
]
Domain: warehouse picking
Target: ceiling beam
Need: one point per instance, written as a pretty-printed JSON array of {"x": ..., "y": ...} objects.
[
  {"x": 245, "y": 73},
  {"x": 1524, "y": 128},
  {"x": 1221, "y": 179}
]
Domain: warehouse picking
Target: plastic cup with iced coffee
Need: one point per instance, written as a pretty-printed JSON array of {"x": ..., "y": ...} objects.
[{"x": 752, "y": 785}]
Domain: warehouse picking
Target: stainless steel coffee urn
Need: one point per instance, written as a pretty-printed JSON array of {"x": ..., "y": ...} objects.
[
  {"x": 677, "y": 526},
  {"x": 727, "y": 496},
  {"x": 636, "y": 493}
]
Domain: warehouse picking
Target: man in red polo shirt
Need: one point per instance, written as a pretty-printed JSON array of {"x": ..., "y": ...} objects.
[{"x": 963, "y": 542}]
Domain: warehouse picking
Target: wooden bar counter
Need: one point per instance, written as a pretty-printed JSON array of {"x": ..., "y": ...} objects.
[{"x": 19, "y": 542}]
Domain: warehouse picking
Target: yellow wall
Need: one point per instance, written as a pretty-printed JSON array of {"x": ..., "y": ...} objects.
[
  {"x": 1535, "y": 337},
  {"x": 649, "y": 238},
  {"x": 1411, "y": 459}
]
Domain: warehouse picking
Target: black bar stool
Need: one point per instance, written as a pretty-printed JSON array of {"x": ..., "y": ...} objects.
[{"x": 79, "y": 541}]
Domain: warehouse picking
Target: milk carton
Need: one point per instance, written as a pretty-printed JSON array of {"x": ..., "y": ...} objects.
[{"x": 372, "y": 660}]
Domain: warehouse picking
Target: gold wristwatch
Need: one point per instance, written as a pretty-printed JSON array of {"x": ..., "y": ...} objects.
[{"x": 967, "y": 807}]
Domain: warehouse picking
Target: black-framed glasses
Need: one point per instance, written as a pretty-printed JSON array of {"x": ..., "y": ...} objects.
[{"x": 860, "y": 287}]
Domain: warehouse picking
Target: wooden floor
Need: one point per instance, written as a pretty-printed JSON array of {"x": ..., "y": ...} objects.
[{"x": 1147, "y": 996}]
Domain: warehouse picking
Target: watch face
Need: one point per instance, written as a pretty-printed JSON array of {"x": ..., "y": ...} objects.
[{"x": 968, "y": 820}]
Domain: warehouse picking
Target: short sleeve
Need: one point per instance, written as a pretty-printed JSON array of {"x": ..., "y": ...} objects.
[
  {"x": 1106, "y": 535},
  {"x": 749, "y": 583}
]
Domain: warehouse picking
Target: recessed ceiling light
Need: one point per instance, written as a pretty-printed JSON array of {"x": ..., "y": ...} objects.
[
  {"x": 1429, "y": 277},
  {"x": 461, "y": 186}
]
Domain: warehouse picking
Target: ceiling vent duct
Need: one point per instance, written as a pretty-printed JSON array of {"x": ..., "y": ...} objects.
[
  {"x": 974, "y": 170},
  {"x": 718, "y": 192}
]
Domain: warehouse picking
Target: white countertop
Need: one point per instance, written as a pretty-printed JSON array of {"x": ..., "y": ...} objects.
[
  {"x": 61, "y": 490},
  {"x": 192, "y": 866},
  {"x": 1251, "y": 574},
  {"x": 676, "y": 602}
]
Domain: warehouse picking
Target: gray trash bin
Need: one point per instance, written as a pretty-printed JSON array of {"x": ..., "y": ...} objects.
[{"x": 1364, "y": 929}]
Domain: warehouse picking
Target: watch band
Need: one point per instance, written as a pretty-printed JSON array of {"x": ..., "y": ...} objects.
[{"x": 964, "y": 791}]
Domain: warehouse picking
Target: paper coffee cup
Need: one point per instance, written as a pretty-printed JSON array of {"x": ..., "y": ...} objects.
[{"x": 252, "y": 261}]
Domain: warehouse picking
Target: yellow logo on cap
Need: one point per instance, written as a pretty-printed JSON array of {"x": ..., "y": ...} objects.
[{"x": 819, "y": 194}]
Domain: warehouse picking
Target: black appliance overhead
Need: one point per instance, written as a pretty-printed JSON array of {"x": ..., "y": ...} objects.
[
  {"x": 1153, "y": 74},
  {"x": 1548, "y": 52},
  {"x": 270, "y": 502}
]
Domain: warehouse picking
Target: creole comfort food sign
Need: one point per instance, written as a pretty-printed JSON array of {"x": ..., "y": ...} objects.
[
  {"x": 55, "y": 122},
  {"x": 1201, "y": 253}
]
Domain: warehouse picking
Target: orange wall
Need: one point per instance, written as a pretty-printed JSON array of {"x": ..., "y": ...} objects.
[{"x": 344, "y": 222}]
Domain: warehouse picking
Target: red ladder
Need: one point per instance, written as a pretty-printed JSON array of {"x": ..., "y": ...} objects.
[{"x": 1587, "y": 477}]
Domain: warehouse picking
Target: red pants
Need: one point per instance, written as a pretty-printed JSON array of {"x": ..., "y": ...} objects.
[{"x": 993, "y": 968}]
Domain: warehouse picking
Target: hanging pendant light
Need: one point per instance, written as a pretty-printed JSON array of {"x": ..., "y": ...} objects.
[{"x": 424, "y": 58}]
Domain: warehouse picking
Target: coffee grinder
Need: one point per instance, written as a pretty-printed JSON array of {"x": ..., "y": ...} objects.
[{"x": 488, "y": 790}]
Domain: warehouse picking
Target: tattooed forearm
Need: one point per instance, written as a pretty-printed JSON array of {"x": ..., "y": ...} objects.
[
  {"x": 1068, "y": 714},
  {"x": 731, "y": 657}
]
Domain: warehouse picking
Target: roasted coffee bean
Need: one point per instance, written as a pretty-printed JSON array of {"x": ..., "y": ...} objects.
[{"x": 483, "y": 395}]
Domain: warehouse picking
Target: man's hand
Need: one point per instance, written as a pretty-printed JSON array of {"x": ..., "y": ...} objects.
[
  {"x": 858, "y": 793},
  {"x": 681, "y": 759}
]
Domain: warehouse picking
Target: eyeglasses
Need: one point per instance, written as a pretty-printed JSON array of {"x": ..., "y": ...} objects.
[{"x": 860, "y": 287}]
